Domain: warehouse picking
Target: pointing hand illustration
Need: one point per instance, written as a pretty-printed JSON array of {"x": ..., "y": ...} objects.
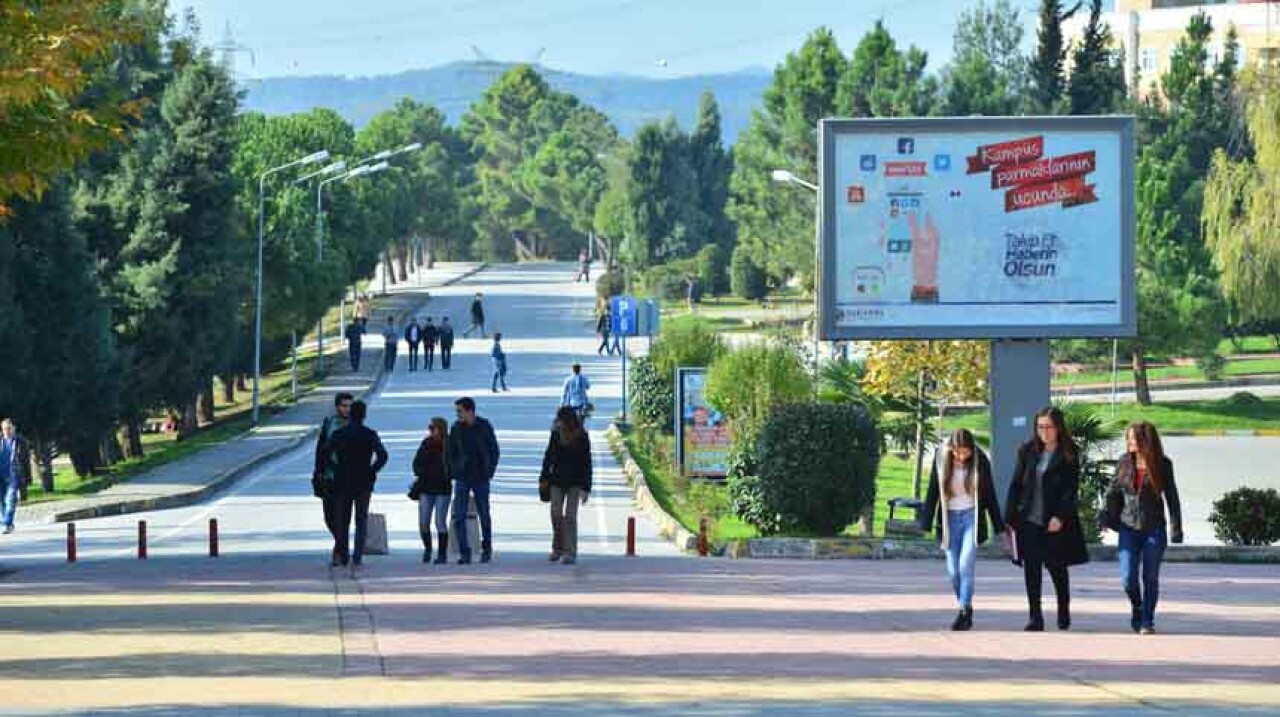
[{"x": 924, "y": 260}]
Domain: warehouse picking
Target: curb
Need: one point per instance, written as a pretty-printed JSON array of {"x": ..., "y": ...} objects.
[
  {"x": 891, "y": 549},
  {"x": 668, "y": 527},
  {"x": 227, "y": 477}
]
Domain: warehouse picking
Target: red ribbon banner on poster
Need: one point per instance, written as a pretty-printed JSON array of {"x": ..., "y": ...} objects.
[
  {"x": 1015, "y": 151},
  {"x": 1070, "y": 192}
]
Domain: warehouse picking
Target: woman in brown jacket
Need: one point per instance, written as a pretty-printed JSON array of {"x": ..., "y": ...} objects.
[{"x": 566, "y": 467}]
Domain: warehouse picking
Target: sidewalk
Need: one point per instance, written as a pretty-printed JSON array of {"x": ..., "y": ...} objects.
[{"x": 195, "y": 477}]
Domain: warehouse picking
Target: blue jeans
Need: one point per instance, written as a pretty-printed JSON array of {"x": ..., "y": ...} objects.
[
  {"x": 462, "y": 491},
  {"x": 433, "y": 504},
  {"x": 962, "y": 554},
  {"x": 10, "y": 499},
  {"x": 1145, "y": 548}
]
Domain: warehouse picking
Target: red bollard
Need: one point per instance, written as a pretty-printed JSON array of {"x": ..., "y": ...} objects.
[
  {"x": 142, "y": 540},
  {"x": 71, "y": 542},
  {"x": 704, "y": 546},
  {"x": 213, "y": 537},
  {"x": 631, "y": 536}
]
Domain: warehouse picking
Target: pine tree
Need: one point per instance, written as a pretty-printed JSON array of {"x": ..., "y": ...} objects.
[
  {"x": 1047, "y": 78},
  {"x": 1097, "y": 84}
]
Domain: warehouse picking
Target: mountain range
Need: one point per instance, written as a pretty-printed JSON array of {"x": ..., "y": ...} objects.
[{"x": 630, "y": 101}]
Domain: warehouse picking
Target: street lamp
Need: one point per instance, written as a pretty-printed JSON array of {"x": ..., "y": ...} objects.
[
  {"x": 312, "y": 158},
  {"x": 786, "y": 176}
]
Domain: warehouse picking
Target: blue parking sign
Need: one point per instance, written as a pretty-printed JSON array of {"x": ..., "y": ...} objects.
[{"x": 623, "y": 316}]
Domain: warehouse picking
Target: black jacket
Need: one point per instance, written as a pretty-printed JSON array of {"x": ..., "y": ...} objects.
[
  {"x": 354, "y": 333},
  {"x": 1143, "y": 511},
  {"x": 409, "y": 340},
  {"x": 477, "y": 312},
  {"x": 324, "y": 463},
  {"x": 359, "y": 455},
  {"x": 986, "y": 502},
  {"x": 476, "y": 466},
  {"x": 22, "y": 459},
  {"x": 431, "y": 469},
  {"x": 430, "y": 335},
  {"x": 1061, "y": 500},
  {"x": 446, "y": 336},
  {"x": 568, "y": 466},
  {"x": 603, "y": 324}
]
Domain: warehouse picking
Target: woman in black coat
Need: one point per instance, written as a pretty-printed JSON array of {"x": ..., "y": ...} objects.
[
  {"x": 566, "y": 469},
  {"x": 1041, "y": 510}
]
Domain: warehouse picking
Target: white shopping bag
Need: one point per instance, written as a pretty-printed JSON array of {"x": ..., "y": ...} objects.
[{"x": 375, "y": 536}]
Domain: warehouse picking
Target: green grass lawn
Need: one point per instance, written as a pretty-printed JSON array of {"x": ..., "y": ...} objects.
[
  {"x": 1217, "y": 415},
  {"x": 1250, "y": 345},
  {"x": 1124, "y": 377}
]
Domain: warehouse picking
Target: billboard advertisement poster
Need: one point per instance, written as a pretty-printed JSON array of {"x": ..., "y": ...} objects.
[
  {"x": 704, "y": 435},
  {"x": 977, "y": 228}
]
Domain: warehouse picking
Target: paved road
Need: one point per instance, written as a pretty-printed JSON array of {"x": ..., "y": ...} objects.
[{"x": 549, "y": 324}]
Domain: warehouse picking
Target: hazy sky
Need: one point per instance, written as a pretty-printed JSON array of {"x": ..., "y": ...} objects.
[{"x": 659, "y": 38}]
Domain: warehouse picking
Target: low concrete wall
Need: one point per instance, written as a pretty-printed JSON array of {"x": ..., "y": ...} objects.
[
  {"x": 889, "y": 548},
  {"x": 668, "y": 527}
]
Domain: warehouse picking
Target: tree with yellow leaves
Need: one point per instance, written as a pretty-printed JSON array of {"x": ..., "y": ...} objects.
[{"x": 50, "y": 52}]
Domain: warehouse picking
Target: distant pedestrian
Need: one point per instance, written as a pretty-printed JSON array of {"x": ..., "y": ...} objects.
[
  {"x": 499, "y": 358},
  {"x": 604, "y": 326},
  {"x": 432, "y": 488},
  {"x": 691, "y": 290},
  {"x": 566, "y": 467},
  {"x": 446, "y": 344},
  {"x": 359, "y": 455},
  {"x": 323, "y": 474},
  {"x": 355, "y": 339},
  {"x": 1042, "y": 511},
  {"x": 15, "y": 470},
  {"x": 473, "y": 459},
  {"x": 430, "y": 335},
  {"x": 390, "y": 341},
  {"x": 960, "y": 500},
  {"x": 413, "y": 335},
  {"x": 574, "y": 393},
  {"x": 477, "y": 317},
  {"x": 584, "y": 268},
  {"x": 1135, "y": 508},
  {"x": 362, "y": 311}
]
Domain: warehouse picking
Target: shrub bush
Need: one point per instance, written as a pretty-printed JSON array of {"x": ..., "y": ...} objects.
[
  {"x": 651, "y": 397},
  {"x": 1243, "y": 399},
  {"x": 667, "y": 281},
  {"x": 817, "y": 468},
  {"x": 1212, "y": 365},
  {"x": 682, "y": 342},
  {"x": 747, "y": 279},
  {"x": 610, "y": 284},
  {"x": 747, "y": 382},
  {"x": 713, "y": 270},
  {"x": 1247, "y": 516}
]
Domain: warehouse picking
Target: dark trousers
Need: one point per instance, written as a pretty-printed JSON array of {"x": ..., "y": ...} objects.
[
  {"x": 429, "y": 357},
  {"x": 413, "y": 357},
  {"x": 606, "y": 348},
  {"x": 353, "y": 352},
  {"x": 1033, "y": 545},
  {"x": 348, "y": 503},
  {"x": 446, "y": 356},
  {"x": 330, "y": 506},
  {"x": 389, "y": 357},
  {"x": 462, "y": 491}
]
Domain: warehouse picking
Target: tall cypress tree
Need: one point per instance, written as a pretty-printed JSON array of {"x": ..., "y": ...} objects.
[
  {"x": 1096, "y": 85},
  {"x": 1047, "y": 78},
  {"x": 712, "y": 166}
]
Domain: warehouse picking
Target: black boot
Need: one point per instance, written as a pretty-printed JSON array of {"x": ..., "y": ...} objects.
[
  {"x": 963, "y": 621},
  {"x": 486, "y": 551},
  {"x": 1064, "y": 614},
  {"x": 442, "y": 556},
  {"x": 1135, "y": 618},
  {"x": 1036, "y": 623},
  {"x": 426, "y": 546}
]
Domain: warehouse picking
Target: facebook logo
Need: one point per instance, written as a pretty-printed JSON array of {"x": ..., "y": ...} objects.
[
  {"x": 906, "y": 145},
  {"x": 942, "y": 162},
  {"x": 868, "y": 163}
]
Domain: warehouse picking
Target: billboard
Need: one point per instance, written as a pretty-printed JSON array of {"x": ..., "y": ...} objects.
[
  {"x": 703, "y": 436},
  {"x": 977, "y": 228}
]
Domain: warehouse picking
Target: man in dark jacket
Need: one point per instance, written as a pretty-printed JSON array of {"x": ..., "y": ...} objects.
[
  {"x": 413, "y": 336},
  {"x": 15, "y": 469},
  {"x": 355, "y": 338},
  {"x": 430, "y": 335},
  {"x": 477, "y": 317},
  {"x": 323, "y": 474},
  {"x": 359, "y": 455},
  {"x": 446, "y": 344},
  {"x": 473, "y": 458}
]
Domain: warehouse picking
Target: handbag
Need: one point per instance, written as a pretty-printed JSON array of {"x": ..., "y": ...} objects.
[
  {"x": 415, "y": 489},
  {"x": 544, "y": 490},
  {"x": 319, "y": 486}
]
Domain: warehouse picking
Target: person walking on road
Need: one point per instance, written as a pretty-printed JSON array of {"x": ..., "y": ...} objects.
[
  {"x": 362, "y": 311},
  {"x": 323, "y": 474},
  {"x": 566, "y": 467},
  {"x": 430, "y": 335},
  {"x": 413, "y": 335},
  {"x": 499, "y": 363},
  {"x": 584, "y": 268},
  {"x": 390, "y": 340},
  {"x": 477, "y": 317},
  {"x": 473, "y": 459},
  {"x": 15, "y": 470},
  {"x": 355, "y": 340},
  {"x": 574, "y": 393},
  {"x": 446, "y": 344},
  {"x": 432, "y": 488},
  {"x": 604, "y": 326},
  {"x": 359, "y": 455},
  {"x": 1041, "y": 510},
  {"x": 1135, "y": 502},
  {"x": 961, "y": 494}
]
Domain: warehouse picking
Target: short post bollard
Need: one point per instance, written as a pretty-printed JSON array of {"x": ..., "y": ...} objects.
[
  {"x": 631, "y": 536},
  {"x": 71, "y": 542},
  {"x": 213, "y": 537},
  {"x": 704, "y": 548},
  {"x": 142, "y": 540}
]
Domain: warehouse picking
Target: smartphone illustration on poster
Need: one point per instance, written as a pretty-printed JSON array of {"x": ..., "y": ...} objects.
[{"x": 868, "y": 284}]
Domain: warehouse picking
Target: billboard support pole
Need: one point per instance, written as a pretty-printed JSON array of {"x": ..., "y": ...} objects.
[{"x": 1019, "y": 388}]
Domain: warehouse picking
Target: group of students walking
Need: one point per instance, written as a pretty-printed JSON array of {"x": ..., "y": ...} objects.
[
  {"x": 1041, "y": 521},
  {"x": 421, "y": 337}
]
